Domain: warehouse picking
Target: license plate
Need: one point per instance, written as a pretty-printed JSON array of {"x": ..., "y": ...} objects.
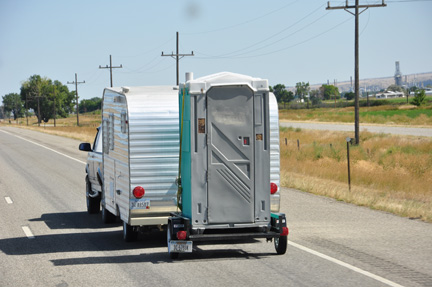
[
  {"x": 181, "y": 246},
  {"x": 143, "y": 204}
]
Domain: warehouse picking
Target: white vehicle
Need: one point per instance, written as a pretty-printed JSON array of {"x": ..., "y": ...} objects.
[{"x": 94, "y": 172}]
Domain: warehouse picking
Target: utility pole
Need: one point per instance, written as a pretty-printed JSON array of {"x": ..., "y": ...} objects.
[
  {"x": 111, "y": 67},
  {"x": 76, "y": 92},
  {"x": 177, "y": 56},
  {"x": 356, "y": 53}
]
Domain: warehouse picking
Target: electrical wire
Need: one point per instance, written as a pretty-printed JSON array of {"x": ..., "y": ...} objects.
[
  {"x": 276, "y": 34},
  {"x": 242, "y": 23},
  {"x": 279, "y": 50}
]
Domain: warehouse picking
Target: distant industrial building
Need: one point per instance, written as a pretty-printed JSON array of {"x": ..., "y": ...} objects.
[
  {"x": 398, "y": 75},
  {"x": 389, "y": 95}
]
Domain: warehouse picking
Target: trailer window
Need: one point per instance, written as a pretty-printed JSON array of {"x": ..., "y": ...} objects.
[
  {"x": 105, "y": 134},
  {"x": 111, "y": 131},
  {"x": 123, "y": 122}
]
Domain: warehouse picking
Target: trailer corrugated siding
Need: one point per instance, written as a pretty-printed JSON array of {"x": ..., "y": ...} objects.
[
  {"x": 274, "y": 152},
  {"x": 154, "y": 146},
  {"x": 274, "y": 141}
]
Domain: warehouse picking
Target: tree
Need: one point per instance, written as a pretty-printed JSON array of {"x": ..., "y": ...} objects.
[
  {"x": 279, "y": 91},
  {"x": 41, "y": 94},
  {"x": 282, "y": 95},
  {"x": 419, "y": 98},
  {"x": 12, "y": 103},
  {"x": 91, "y": 105},
  {"x": 349, "y": 96},
  {"x": 302, "y": 89},
  {"x": 329, "y": 92},
  {"x": 315, "y": 97},
  {"x": 395, "y": 88}
]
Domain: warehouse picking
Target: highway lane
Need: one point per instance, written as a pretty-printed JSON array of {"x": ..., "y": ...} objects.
[
  {"x": 395, "y": 130},
  {"x": 71, "y": 248}
]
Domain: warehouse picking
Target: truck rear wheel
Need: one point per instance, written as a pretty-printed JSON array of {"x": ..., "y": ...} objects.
[
  {"x": 93, "y": 203},
  {"x": 281, "y": 244},
  {"x": 107, "y": 217},
  {"x": 129, "y": 233}
]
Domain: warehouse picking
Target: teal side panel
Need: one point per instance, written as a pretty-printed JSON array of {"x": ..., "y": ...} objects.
[{"x": 186, "y": 156}]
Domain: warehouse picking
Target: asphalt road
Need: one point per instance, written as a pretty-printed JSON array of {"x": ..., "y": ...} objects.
[
  {"x": 48, "y": 239},
  {"x": 396, "y": 130}
]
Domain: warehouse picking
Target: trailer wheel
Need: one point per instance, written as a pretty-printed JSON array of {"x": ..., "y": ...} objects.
[
  {"x": 93, "y": 203},
  {"x": 281, "y": 244},
  {"x": 107, "y": 217},
  {"x": 129, "y": 233},
  {"x": 173, "y": 255}
]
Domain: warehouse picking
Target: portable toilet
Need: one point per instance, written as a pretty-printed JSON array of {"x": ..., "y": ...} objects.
[{"x": 225, "y": 151}]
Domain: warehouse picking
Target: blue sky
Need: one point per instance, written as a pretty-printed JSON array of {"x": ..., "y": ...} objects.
[{"x": 284, "y": 41}]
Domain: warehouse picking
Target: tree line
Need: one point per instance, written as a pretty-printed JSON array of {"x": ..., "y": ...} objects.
[
  {"x": 45, "y": 99},
  {"x": 303, "y": 93}
]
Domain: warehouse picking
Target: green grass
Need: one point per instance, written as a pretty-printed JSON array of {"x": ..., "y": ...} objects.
[{"x": 390, "y": 113}]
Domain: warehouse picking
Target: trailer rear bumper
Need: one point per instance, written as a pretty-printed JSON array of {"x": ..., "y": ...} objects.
[{"x": 139, "y": 221}]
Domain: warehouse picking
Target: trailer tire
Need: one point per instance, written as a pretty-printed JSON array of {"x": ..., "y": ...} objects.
[
  {"x": 107, "y": 217},
  {"x": 173, "y": 255},
  {"x": 93, "y": 203},
  {"x": 280, "y": 244},
  {"x": 129, "y": 233}
]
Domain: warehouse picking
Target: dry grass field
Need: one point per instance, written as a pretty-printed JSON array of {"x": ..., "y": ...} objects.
[{"x": 389, "y": 173}]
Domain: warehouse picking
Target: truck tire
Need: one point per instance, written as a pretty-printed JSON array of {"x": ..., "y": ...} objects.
[
  {"x": 129, "y": 233},
  {"x": 173, "y": 255},
  {"x": 107, "y": 217},
  {"x": 281, "y": 244},
  {"x": 93, "y": 203}
]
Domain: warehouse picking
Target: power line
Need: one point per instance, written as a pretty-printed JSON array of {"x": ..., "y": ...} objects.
[
  {"x": 243, "y": 23},
  {"x": 275, "y": 51},
  {"x": 177, "y": 56},
  {"x": 356, "y": 54},
  {"x": 111, "y": 67},
  {"x": 76, "y": 92}
]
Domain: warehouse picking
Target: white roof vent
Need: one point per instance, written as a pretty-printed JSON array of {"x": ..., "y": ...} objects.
[{"x": 125, "y": 89}]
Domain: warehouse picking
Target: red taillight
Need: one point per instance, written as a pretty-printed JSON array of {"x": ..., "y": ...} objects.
[
  {"x": 285, "y": 231},
  {"x": 138, "y": 192},
  {"x": 181, "y": 235},
  {"x": 273, "y": 188}
]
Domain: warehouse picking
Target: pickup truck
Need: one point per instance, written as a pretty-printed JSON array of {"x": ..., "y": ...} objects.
[{"x": 94, "y": 172}]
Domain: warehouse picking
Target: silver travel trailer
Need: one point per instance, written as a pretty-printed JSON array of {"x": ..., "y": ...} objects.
[
  {"x": 140, "y": 156},
  {"x": 229, "y": 150}
]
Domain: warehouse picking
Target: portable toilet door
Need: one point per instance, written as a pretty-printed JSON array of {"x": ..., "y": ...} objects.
[{"x": 230, "y": 154}]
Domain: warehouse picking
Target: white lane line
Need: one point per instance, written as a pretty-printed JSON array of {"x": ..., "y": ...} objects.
[
  {"x": 8, "y": 200},
  {"x": 27, "y": 232},
  {"x": 45, "y": 147},
  {"x": 349, "y": 266}
]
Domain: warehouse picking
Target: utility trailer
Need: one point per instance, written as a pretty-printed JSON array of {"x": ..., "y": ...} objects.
[
  {"x": 139, "y": 157},
  {"x": 229, "y": 164}
]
